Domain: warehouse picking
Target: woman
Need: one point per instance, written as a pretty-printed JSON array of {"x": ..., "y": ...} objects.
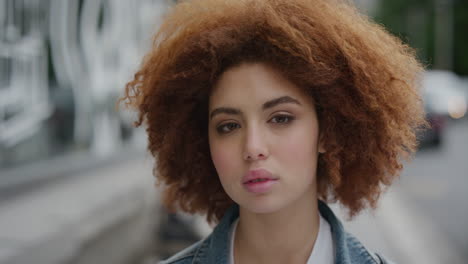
[{"x": 260, "y": 112}]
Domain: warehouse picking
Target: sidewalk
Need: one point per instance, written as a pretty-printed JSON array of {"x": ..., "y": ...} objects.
[
  {"x": 398, "y": 231},
  {"x": 61, "y": 222}
]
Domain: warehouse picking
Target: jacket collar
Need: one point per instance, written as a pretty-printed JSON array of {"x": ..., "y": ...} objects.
[{"x": 348, "y": 250}]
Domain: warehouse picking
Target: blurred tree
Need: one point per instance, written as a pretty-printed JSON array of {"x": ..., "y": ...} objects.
[
  {"x": 461, "y": 37},
  {"x": 437, "y": 29}
]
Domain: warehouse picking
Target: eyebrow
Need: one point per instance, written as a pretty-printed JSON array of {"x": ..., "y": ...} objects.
[{"x": 269, "y": 104}]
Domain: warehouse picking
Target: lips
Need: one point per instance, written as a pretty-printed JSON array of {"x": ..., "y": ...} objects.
[
  {"x": 257, "y": 175},
  {"x": 259, "y": 181}
]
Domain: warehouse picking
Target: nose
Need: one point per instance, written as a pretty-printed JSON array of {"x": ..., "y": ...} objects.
[{"x": 255, "y": 147}]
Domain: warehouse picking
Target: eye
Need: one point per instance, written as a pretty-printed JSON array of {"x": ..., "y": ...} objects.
[
  {"x": 227, "y": 127},
  {"x": 282, "y": 119}
]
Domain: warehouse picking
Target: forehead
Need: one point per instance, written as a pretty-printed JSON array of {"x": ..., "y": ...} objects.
[{"x": 252, "y": 82}]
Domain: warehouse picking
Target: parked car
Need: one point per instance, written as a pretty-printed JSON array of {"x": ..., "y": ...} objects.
[
  {"x": 444, "y": 94},
  {"x": 432, "y": 136}
]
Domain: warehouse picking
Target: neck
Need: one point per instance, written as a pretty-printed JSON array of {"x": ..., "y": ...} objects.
[{"x": 284, "y": 236}]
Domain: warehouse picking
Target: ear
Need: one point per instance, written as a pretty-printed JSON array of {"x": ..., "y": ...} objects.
[{"x": 321, "y": 144}]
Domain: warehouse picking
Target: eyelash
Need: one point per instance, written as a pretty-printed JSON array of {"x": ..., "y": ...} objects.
[{"x": 220, "y": 128}]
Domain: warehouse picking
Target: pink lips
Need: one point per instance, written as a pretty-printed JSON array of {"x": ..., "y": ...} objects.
[{"x": 258, "y": 181}]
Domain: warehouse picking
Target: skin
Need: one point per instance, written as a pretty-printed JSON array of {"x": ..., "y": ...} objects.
[{"x": 279, "y": 226}]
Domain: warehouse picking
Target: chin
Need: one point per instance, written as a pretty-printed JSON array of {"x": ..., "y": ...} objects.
[{"x": 262, "y": 206}]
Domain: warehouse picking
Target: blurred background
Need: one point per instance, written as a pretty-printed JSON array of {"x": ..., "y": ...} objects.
[{"x": 76, "y": 182}]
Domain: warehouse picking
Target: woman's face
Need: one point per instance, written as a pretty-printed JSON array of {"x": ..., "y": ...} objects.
[{"x": 263, "y": 126}]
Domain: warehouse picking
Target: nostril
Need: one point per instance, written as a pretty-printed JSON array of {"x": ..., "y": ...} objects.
[{"x": 255, "y": 154}]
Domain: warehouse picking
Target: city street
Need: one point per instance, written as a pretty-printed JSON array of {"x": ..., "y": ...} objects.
[
  {"x": 436, "y": 183},
  {"x": 77, "y": 181}
]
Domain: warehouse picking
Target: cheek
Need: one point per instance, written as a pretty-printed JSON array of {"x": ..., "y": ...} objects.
[
  {"x": 295, "y": 153},
  {"x": 224, "y": 161},
  {"x": 299, "y": 152}
]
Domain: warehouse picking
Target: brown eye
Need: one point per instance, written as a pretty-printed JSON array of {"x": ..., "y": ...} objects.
[
  {"x": 226, "y": 128},
  {"x": 282, "y": 119}
]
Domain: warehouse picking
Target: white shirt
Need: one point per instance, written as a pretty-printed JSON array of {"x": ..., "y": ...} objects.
[{"x": 322, "y": 253}]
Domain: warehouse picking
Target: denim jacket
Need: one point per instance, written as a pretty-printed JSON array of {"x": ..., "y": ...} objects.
[{"x": 215, "y": 248}]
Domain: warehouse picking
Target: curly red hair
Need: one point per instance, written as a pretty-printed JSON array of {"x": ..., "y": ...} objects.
[{"x": 363, "y": 80}]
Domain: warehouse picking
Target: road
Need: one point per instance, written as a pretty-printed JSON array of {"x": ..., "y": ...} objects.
[{"x": 436, "y": 183}]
